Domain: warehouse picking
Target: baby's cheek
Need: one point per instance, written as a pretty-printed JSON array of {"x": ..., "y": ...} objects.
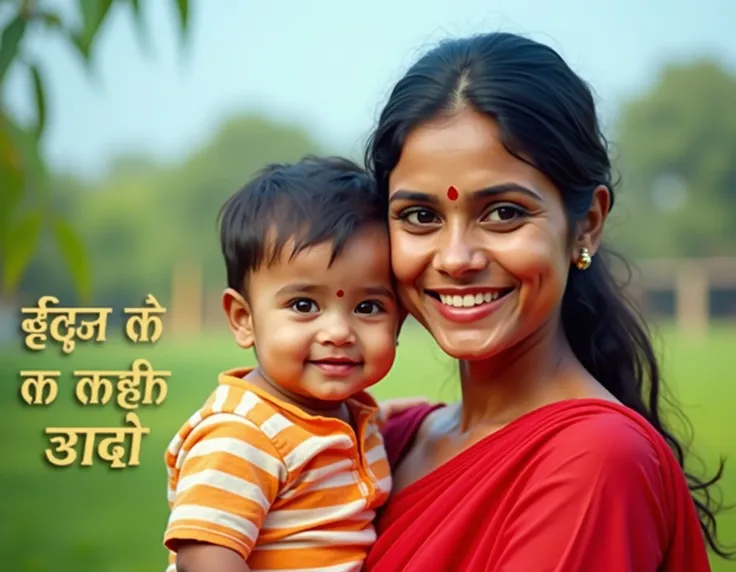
[
  {"x": 381, "y": 352},
  {"x": 279, "y": 339},
  {"x": 290, "y": 339}
]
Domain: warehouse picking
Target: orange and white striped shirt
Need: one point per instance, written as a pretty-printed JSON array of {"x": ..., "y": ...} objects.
[{"x": 284, "y": 489}]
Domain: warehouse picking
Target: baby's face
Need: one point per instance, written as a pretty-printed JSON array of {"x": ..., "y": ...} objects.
[{"x": 324, "y": 332}]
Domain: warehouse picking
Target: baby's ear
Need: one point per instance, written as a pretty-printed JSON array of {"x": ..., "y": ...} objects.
[{"x": 239, "y": 317}]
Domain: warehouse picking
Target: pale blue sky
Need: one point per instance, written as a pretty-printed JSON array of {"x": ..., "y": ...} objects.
[{"x": 327, "y": 64}]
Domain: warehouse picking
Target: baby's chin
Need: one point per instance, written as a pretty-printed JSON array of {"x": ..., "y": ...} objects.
[{"x": 336, "y": 391}]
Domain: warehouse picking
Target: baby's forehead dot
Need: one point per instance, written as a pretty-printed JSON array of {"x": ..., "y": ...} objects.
[
  {"x": 452, "y": 194},
  {"x": 340, "y": 293}
]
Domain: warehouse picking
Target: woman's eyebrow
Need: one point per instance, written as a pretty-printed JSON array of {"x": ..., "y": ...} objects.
[
  {"x": 504, "y": 188},
  {"x": 417, "y": 196},
  {"x": 413, "y": 196}
]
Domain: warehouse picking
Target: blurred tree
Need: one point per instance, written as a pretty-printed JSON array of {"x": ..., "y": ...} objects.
[
  {"x": 26, "y": 203},
  {"x": 144, "y": 218},
  {"x": 678, "y": 163}
]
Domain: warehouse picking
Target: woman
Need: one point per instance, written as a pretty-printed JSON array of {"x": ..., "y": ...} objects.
[{"x": 499, "y": 185}]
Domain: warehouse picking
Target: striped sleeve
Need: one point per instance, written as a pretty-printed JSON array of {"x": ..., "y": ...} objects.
[{"x": 228, "y": 475}]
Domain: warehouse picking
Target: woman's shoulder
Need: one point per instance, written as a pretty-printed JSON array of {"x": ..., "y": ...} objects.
[
  {"x": 400, "y": 431},
  {"x": 598, "y": 431},
  {"x": 601, "y": 438},
  {"x": 600, "y": 425},
  {"x": 605, "y": 461}
]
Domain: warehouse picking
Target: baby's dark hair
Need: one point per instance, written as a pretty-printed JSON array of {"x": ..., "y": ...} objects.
[{"x": 316, "y": 200}]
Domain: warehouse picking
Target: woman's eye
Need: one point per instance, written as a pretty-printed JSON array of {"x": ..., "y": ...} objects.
[
  {"x": 304, "y": 306},
  {"x": 504, "y": 213},
  {"x": 370, "y": 307},
  {"x": 420, "y": 216}
]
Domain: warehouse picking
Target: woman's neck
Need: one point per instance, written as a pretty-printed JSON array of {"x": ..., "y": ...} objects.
[{"x": 539, "y": 370}]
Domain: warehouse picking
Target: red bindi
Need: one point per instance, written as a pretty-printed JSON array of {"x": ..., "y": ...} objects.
[
  {"x": 340, "y": 293},
  {"x": 452, "y": 194}
]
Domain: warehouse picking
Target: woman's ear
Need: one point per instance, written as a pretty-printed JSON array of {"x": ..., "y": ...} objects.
[{"x": 589, "y": 229}]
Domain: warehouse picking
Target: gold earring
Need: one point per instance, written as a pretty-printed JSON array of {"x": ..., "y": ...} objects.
[{"x": 584, "y": 259}]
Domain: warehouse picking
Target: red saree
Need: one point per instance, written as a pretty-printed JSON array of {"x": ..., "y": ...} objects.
[{"x": 577, "y": 486}]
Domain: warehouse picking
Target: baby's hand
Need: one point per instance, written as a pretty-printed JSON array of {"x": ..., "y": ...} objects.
[
  {"x": 200, "y": 557},
  {"x": 392, "y": 407}
]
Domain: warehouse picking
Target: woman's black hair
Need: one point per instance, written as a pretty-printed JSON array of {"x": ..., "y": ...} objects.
[{"x": 547, "y": 117}]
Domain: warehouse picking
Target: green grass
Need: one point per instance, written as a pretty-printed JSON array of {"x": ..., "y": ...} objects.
[{"x": 102, "y": 520}]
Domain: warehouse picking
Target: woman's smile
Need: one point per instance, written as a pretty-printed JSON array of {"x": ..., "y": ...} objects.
[{"x": 468, "y": 304}]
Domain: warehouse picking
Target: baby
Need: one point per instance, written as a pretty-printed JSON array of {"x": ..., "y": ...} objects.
[{"x": 283, "y": 467}]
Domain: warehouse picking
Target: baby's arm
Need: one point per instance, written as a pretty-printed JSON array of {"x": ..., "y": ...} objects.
[
  {"x": 198, "y": 557},
  {"x": 230, "y": 476}
]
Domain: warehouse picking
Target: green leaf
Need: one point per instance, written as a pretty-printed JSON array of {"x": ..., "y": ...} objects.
[
  {"x": 11, "y": 181},
  {"x": 11, "y": 175},
  {"x": 83, "y": 46},
  {"x": 139, "y": 24},
  {"x": 75, "y": 257},
  {"x": 26, "y": 145},
  {"x": 40, "y": 101},
  {"x": 9, "y": 42},
  {"x": 183, "y": 9},
  {"x": 50, "y": 19},
  {"x": 136, "y": 5},
  {"x": 20, "y": 242},
  {"x": 94, "y": 13}
]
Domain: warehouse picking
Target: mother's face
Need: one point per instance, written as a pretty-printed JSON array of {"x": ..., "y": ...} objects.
[{"x": 479, "y": 239}]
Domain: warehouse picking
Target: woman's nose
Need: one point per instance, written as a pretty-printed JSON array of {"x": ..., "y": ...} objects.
[{"x": 459, "y": 257}]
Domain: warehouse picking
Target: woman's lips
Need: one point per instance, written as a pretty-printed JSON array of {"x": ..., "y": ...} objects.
[{"x": 468, "y": 305}]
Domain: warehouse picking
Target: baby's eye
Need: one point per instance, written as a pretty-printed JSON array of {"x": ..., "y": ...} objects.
[
  {"x": 369, "y": 307},
  {"x": 304, "y": 306}
]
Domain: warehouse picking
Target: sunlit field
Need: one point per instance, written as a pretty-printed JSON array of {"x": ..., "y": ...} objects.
[{"x": 103, "y": 520}]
